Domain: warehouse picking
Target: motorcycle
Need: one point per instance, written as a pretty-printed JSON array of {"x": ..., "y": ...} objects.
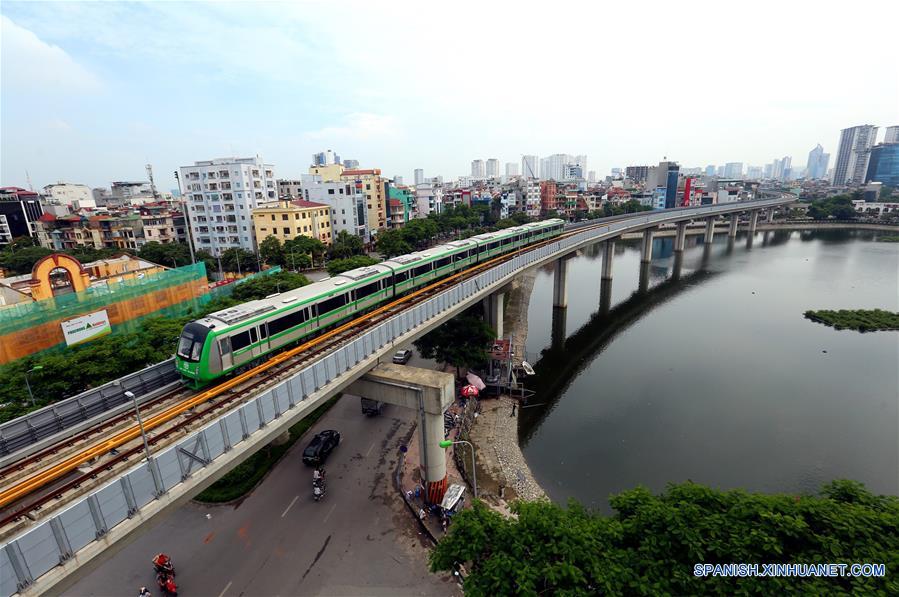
[
  {"x": 318, "y": 490},
  {"x": 166, "y": 582},
  {"x": 163, "y": 563}
]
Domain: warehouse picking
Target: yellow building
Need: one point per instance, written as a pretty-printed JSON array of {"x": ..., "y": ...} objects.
[
  {"x": 328, "y": 172},
  {"x": 373, "y": 188},
  {"x": 291, "y": 219}
]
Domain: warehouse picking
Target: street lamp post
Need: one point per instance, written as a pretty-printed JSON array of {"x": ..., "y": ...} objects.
[
  {"x": 28, "y": 385},
  {"x": 140, "y": 422},
  {"x": 474, "y": 467}
]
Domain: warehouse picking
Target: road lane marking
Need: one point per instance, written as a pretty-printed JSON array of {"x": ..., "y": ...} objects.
[
  {"x": 292, "y": 502},
  {"x": 225, "y": 590},
  {"x": 370, "y": 449},
  {"x": 330, "y": 512}
]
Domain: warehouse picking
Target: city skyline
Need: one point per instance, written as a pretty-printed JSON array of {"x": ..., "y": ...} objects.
[{"x": 136, "y": 84}]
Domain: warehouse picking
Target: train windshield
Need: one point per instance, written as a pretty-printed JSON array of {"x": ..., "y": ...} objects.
[{"x": 190, "y": 346}]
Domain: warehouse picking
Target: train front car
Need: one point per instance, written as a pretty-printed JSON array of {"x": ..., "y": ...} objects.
[{"x": 191, "y": 354}]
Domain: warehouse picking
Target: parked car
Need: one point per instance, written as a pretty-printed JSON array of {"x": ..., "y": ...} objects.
[
  {"x": 372, "y": 407},
  {"x": 321, "y": 447},
  {"x": 401, "y": 357}
]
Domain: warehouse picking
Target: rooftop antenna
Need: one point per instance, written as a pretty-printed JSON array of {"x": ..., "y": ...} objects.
[
  {"x": 152, "y": 184},
  {"x": 28, "y": 179}
]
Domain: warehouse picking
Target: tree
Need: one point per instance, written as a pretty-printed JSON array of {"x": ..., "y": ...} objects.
[
  {"x": 300, "y": 245},
  {"x": 262, "y": 286},
  {"x": 391, "y": 243},
  {"x": 346, "y": 245},
  {"x": 418, "y": 233},
  {"x": 22, "y": 260},
  {"x": 271, "y": 251},
  {"x": 461, "y": 342},
  {"x": 210, "y": 261},
  {"x": 817, "y": 212},
  {"x": 168, "y": 254},
  {"x": 338, "y": 266},
  {"x": 240, "y": 260},
  {"x": 652, "y": 543},
  {"x": 843, "y": 212}
]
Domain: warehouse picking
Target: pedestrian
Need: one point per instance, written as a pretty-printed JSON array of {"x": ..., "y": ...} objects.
[
  {"x": 422, "y": 515},
  {"x": 514, "y": 406}
]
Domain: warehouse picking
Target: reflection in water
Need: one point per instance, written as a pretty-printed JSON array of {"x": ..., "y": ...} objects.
[{"x": 713, "y": 374}]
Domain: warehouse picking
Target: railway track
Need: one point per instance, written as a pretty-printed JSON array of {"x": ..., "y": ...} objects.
[{"x": 111, "y": 454}]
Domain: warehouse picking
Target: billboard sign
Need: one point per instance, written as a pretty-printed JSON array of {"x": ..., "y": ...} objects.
[{"x": 87, "y": 327}]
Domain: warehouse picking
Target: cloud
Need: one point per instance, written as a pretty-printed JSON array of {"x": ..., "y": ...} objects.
[
  {"x": 29, "y": 64},
  {"x": 356, "y": 126}
]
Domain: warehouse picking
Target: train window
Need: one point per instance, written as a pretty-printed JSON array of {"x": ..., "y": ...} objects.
[
  {"x": 335, "y": 302},
  {"x": 484, "y": 248},
  {"x": 492, "y": 246},
  {"x": 225, "y": 345},
  {"x": 191, "y": 343},
  {"x": 367, "y": 290},
  {"x": 254, "y": 338},
  {"x": 507, "y": 241},
  {"x": 241, "y": 340},
  {"x": 263, "y": 332},
  {"x": 460, "y": 256},
  {"x": 421, "y": 269},
  {"x": 276, "y": 326},
  {"x": 442, "y": 262},
  {"x": 401, "y": 277}
]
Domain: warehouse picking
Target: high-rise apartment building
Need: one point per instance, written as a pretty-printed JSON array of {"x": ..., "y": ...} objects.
[
  {"x": 562, "y": 166},
  {"x": 710, "y": 170},
  {"x": 883, "y": 167},
  {"x": 781, "y": 169},
  {"x": 733, "y": 170},
  {"x": 76, "y": 196},
  {"x": 892, "y": 134},
  {"x": 419, "y": 176},
  {"x": 221, "y": 195},
  {"x": 853, "y": 154},
  {"x": 19, "y": 210},
  {"x": 369, "y": 182},
  {"x": 529, "y": 164},
  {"x": 351, "y": 164},
  {"x": 663, "y": 179},
  {"x": 816, "y": 167},
  {"x": 478, "y": 169},
  {"x": 636, "y": 173},
  {"x": 493, "y": 168},
  {"x": 349, "y": 211},
  {"x": 325, "y": 158}
]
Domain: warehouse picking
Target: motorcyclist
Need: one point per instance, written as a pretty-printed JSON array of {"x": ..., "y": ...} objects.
[
  {"x": 318, "y": 476},
  {"x": 144, "y": 592},
  {"x": 163, "y": 563}
]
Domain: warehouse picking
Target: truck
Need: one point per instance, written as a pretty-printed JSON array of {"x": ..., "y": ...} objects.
[{"x": 372, "y": 408}]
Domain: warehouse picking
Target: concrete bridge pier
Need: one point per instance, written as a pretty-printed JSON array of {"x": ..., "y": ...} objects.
[
  {"x": 493, "y": 312},
  {"x": 681, "y": 239},
  {"x": 560, "y": 283},
  {"x": 770, "y": 215},
  {"x": 678, "y": 265},
  {"x": 605, "y": 296},
  {"x": 734, "y": 222},
  {"x": 646, "y": 250},
  {"x": 753, "y": 221},
  {"x": 430, "y": 393},
  {"x": 643, "y": 284},
  {"x": 559, "y": 330},
  {"x": 709, "y": 230},
  {"x": 608, "y": 255}
]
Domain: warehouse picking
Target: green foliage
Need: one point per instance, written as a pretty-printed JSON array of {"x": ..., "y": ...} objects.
[
  {"x": 167, "y": 254},
  {"x": 419, "y": 233},
  {"x": 863, "y": 320},
  {"x": 839, "y": 207},
  {"x": 651, "y": 543},
  {"x": 391, "y": 243},
  {"x": 271, "y": 251},
  {"x": 303, "y": 245},
  {"x": 210, "y": 261},
  {"x": 264, "y": 285},
  {"x": 243, "y": 478},
  {"x": 346, "y": 245},
  {"x": 237, "y": 259},
  {"x": 338, "y": 266},
  {"x": 461, "y": 342}
]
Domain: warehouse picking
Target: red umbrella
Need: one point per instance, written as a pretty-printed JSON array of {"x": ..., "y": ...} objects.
[{"x": 469, "y": 391}]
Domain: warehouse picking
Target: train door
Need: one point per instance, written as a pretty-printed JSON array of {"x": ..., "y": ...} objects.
[{"x": 225, "y": 351}]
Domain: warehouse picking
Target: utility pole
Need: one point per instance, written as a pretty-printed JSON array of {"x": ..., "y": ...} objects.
[{"x": 190, "y": 243}]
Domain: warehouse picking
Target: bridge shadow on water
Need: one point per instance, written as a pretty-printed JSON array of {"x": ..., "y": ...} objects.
[{"x": 565, "y": 358}]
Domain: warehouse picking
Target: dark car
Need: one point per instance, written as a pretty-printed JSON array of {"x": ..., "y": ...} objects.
[
  {"x": 320, "y": 447},
  {"x": 401, "y": 357}
]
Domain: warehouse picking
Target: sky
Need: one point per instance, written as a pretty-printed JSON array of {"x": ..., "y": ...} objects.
[{"x": 91, "y": 92}]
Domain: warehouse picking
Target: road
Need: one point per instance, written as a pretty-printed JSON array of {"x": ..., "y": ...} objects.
[{"x": 359, "y": 540}]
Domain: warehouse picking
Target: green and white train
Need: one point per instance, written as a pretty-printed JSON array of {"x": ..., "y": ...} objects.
[{"x": 228, "y": 340}]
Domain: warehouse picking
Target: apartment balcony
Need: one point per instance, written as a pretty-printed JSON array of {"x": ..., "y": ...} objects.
[
  {"x": 211, "y": 174},
  {"x": 224, "y": 174},
  {"x": 226, "y": 186}
]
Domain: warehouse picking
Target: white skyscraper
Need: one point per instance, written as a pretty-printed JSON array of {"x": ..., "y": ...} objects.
[
  {"x": 562, "y": 166},
  {"x": 492, "y": 168},
  {"x": 529, "y": 166},
  {"x": 892, "y": 134},
  {"x": 853, "y": 154},
  {"x": 733, "y": 170},
  {"x": 419, "y": 176},
  {"x": 220, "y": 196},
  {"x": 816, "y": 167},
  {"x": 511, "y": 169},
  {"x": 478, "y": 169}
]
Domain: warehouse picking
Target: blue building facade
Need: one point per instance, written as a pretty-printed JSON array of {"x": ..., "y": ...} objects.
[{"x": 883, "y": 166}]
